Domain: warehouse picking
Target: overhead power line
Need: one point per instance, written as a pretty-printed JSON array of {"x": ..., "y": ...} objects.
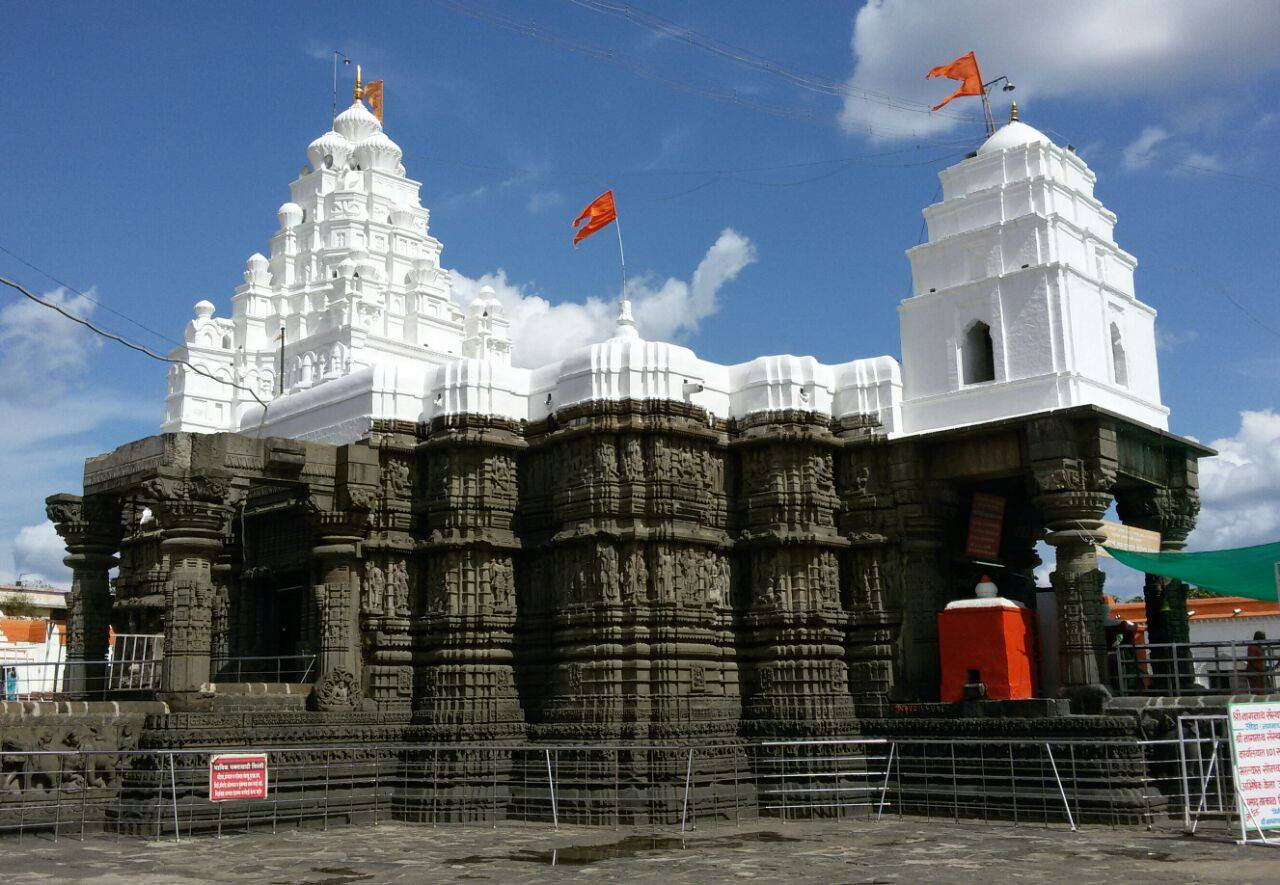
[
  {"x": 145, "y": 351},
  {"x": 667, "y": 28},
  {"x": 612, "y": 56},
  {"x": 128, "y": 319}
]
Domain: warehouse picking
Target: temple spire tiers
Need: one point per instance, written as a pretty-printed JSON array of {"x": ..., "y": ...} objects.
[
  {"x": 92, "y": 531},
  {"x": 193, "y": 512}
]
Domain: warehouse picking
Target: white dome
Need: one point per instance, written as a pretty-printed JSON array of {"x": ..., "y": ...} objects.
[
  {"x": 357, "y": 123},
  {"x": 329, "y": 151},
  {"x": 204, "y": 309},
  {"x": 1012, "y": 135},
  {"x": 290, "y": 215},
  {"x": 378, "y": 152}
]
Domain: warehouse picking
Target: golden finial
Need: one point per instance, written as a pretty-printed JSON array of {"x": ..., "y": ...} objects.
[
  {"x": 1013, "y": 111},
  {"x": 359, "y": 89}
]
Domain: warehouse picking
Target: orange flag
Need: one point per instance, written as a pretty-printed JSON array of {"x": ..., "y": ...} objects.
[
  {"x": 599, "y": 213},
  {"x": 373, "y": 92},
  {"x": 964, "y": 69}
]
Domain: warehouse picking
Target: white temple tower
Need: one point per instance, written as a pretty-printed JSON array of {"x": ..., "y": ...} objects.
[{"x": 1021, "y": 300}]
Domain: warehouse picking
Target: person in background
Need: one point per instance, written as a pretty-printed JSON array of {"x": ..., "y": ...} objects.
[{"x": 1256, "y": 668}]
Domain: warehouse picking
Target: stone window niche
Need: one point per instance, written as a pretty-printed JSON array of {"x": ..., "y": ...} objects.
[
  {"x": 977, "y": 355},
  {"x": 1119, "y": 365}
]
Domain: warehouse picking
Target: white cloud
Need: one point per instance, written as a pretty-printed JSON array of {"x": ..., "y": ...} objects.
[
  {"x": 540, "y": 201},
  {"x": 1170, "y": 340},
  {"x": 51, "y": 406},
  {"x": 1086, "y": 49},
  {"x": 38, "y": 552},
  {"x": 544, "y": 332},
  {"x": 1140, "y": 152},
  {"x": 1240, "y": 489}
]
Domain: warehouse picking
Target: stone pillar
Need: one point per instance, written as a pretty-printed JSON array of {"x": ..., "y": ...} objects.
[
  {"x": 464, "y": 638},
  {"x": 1074, "y": 469},
  {"x": 193, "y": 514},
  {"x": 225, "y": 621},
  {"x": 867, "y": 522},
  {"x": 926, "y": 515},
  {"x": 336, "y": 553},
  {"x": 793, "y": 627},
  {"x": 91, "y": 529},
  {"x": 1171, "y": 511}
]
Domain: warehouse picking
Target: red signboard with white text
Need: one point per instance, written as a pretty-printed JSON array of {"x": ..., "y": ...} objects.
[{"x": 237, "y": 776}]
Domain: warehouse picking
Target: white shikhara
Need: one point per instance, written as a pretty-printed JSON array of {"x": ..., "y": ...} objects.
[{"x": 1022, "y": 302}]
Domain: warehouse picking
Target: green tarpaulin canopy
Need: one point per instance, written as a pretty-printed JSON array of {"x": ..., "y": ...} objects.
[{"x": 1245, "y": 571}]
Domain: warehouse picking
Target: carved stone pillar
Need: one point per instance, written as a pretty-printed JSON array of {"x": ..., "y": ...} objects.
[
  {"x": 926, "y": 514},
  {"x": 794, "y": 627},
  {"x": 1172, "y": 513},
  {"x": 91, "y": 529},
  {"x": 464, "y": 637},
  {"x": 1074, "y": 468},
  {"x": 225, "y": 620},
  {"x": 338, "y": 536},
  {"x": 867, "y": 521},
  {"x": 193, "y": 515}
]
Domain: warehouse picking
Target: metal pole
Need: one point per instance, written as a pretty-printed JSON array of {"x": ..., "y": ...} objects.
[
  {"x": 1182, "y": 765},
  {"x": 1204, "y": 786},
  {"x": 688, "y": 772},
  {"x": 551, "y": 785},
  {"x": 173, "y": 786},
  {"x": 622, "y": 258},
  {"x": 1065, "y": 804},
  {"x": 884, "y": 788}
]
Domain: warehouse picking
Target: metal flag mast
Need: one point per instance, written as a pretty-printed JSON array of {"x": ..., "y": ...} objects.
[
  {"x": 345, "y": 61},
  {"x": 986, "y": 102}
]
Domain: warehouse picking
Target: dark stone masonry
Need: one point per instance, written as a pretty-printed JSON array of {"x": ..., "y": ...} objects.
[{"x": 621, "y": 573}]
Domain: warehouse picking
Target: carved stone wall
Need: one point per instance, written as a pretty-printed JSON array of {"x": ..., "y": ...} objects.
[
  {"x": 792, "y": 624},
  {"x": 624, "y": 583}
]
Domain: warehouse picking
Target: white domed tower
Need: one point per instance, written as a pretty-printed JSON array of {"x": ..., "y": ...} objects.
[
  {"x": 353, "y": 278},
  {"x": 1021, "y": 300}
]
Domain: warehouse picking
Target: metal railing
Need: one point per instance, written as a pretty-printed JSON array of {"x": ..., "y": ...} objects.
[
  {"x": 1191, "y": 668},
  {"x": 1179, "y": 783},
  {"x": 279, "y": 668},
  {"x": 59, "y": 680},
  {"x": 118, "y": 678}
]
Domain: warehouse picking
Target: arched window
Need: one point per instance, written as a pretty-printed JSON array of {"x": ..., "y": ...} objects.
[
  {"x": 226, "y": 342},
  {"x": 977, "y": 355},
  {"x": 1118, "y": 363}
]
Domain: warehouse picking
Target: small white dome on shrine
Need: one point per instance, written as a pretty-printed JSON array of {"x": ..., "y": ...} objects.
[
  {"x": 290, "y": 215},
  {"x": 379, "y": 152},
  {"x": 329, "y": 151},
  {"x": 204, "y": 310},
  {"x": 346, "y": 268},
  {"x": 1011, "y": 135},
  {"x": 357, "y": 123}
]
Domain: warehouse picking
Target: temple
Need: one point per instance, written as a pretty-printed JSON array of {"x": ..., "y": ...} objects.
[{"x": 631, "y": 544}]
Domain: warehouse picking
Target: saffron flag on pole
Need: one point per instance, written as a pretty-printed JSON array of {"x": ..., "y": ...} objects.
[
  {"x": 964, "y": 69},
  {"x": 599, "y": 213},
  {"x": 373, "y": 92}
]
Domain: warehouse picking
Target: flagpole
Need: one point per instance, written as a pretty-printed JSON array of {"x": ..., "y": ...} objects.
[{"x": 622, "y": 258}]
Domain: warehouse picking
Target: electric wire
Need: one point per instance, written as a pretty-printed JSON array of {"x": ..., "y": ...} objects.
[
  {"x": 667, "y": 28},
  {"x": 44, "y": 273},
  {"x": 607, "y": 54},
  {"x": 112, "y": 336}
]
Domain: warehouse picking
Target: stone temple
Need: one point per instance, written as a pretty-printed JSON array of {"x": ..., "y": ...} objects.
[{"x": 631, "y": 544}]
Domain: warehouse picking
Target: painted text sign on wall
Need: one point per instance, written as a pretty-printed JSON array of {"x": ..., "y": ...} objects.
[
  {"x": 237, "y": 776},
  {"x": 1255, "y": 752},
  {"x": 986, "y": 522}
]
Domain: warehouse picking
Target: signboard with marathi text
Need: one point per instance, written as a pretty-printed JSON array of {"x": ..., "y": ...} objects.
[
  {"x": 237, "y": 776},
  {"x": 1255, "y": 763},
  {"x": 1128, "y": 537},
  {"x": 986, "y": 523}
]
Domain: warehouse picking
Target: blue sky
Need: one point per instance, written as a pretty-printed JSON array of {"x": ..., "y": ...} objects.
[{"x": 149, "y": 145}]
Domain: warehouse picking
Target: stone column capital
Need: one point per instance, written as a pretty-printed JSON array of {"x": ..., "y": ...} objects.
[{"x": 1170, "y": 511}]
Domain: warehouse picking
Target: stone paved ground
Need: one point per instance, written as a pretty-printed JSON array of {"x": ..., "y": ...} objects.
[{"x": 894, "y": 851}]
